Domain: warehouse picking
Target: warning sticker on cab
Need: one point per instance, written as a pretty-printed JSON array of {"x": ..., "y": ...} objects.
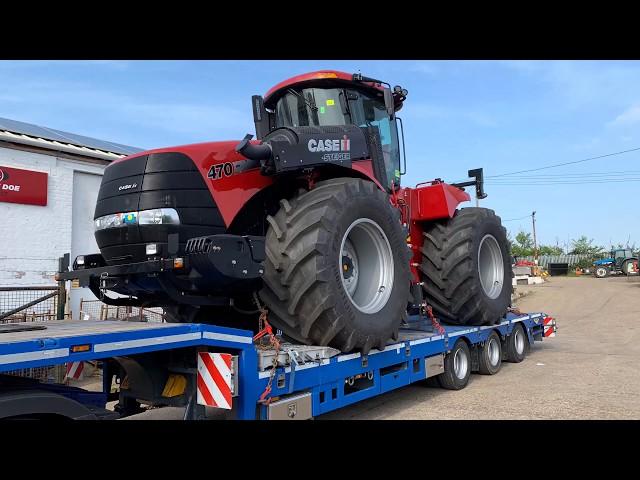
[{"x": 330, "y": 102}]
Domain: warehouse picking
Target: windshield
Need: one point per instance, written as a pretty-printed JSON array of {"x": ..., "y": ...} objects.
[{"x": 339, "y": 106}]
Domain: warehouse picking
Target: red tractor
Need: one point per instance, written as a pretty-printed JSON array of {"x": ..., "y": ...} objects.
[{"x": 309, "y": 220}]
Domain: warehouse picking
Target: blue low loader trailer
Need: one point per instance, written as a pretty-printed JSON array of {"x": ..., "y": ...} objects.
[{"x": 254, "y": 377}]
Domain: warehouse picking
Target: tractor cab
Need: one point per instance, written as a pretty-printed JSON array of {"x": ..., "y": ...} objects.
[
  {"x": 328, "y": 98},
  {"x": 620, "y": 255}
]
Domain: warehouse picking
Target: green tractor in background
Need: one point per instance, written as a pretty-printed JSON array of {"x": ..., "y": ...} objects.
[{"x": 622, "y": 260}]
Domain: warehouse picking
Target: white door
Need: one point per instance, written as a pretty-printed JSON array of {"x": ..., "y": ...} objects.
[{"x": 85, "y": 194}]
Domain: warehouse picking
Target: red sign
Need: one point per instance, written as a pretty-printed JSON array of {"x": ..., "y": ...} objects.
[{"x": 23, "y": 186}]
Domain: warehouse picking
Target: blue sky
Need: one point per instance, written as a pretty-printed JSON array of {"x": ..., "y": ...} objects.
[{"x": 501, "y": 115}]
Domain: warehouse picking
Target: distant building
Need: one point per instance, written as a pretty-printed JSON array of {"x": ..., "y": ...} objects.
[{"x": 49, "y": 183}]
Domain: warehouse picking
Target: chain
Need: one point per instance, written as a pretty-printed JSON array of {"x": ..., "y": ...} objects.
[
  {"x": 434, "y": 322},
  {"x": 265, "y": 329}
]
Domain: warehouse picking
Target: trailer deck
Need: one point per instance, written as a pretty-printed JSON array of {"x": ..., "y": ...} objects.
[{"x": 307, "y": 382}]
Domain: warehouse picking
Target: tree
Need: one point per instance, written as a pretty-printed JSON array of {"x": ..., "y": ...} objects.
[
  {"x": 585, "y": 246},
  {"x": 550, "y": 250},
  {"x": 523, "y": 245}
]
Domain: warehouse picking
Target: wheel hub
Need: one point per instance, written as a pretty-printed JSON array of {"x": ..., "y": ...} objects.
[
  {"x": 366, "y": 264},
  {"x": 493, "y": 352},
  {"x": 491, "y": 266},
  {"x": 460, "y": 364}
]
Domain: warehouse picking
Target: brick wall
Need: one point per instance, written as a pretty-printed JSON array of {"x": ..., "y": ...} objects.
[{"x": 33, "y": 237}]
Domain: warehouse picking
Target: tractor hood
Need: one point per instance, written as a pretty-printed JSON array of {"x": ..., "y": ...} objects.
[
  {"x": 604, "y": 261},
  {"x": 192, "y": 190}
]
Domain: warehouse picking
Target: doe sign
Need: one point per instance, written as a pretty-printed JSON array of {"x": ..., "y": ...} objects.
[{"x": 23, "y": 186}]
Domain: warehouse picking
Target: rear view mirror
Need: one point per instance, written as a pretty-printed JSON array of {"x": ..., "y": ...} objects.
[{"x": 388, "y": 102}]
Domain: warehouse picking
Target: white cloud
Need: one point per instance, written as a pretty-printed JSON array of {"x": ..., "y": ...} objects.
[
  {"x": 630, "y": 116},
  {"x": 428, "y": 68}
]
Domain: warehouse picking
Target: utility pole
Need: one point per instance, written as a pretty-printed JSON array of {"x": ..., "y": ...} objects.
[{"x": 535, "y": 241}]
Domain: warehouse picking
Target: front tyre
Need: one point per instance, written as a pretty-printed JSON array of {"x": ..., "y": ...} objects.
[{"x": 337, "y": 267}]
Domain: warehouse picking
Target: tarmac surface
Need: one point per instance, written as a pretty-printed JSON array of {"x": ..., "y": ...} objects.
[{"x": 588, "y": 371}]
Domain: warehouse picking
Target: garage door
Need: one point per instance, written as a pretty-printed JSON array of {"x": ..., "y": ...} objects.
[{"x": 85, "y": 194}]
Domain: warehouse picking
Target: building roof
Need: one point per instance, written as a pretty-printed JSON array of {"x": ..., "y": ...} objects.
[{"x": 27, "y": 133}]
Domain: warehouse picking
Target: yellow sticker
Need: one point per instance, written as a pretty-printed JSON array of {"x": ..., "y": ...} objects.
[{"x": 330, "y": 102}]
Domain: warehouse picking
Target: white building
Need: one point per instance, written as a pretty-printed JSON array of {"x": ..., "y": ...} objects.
[{"x": 35, "y": 232}]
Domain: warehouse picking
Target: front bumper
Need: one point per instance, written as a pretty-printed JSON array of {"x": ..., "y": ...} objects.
[{"x": 213, "y": 269}]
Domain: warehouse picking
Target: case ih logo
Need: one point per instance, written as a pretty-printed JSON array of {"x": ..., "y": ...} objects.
[
  {"x": 23, "y": 186},
  {"x": 328, "y": 145}
]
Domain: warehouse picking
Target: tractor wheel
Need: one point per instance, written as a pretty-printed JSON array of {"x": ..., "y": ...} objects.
[
  {"x": 627, "y": 267},
  {"x": 337, "y": 267},
  {"x": 601, "y": 271},
  {"x": 466, "y": 267}
]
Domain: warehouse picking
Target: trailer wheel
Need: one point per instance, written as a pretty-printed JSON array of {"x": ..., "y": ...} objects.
[
  {"x": 516, "y": 345},
  {"x": 466, "y": 267},
  {"x": 602, "y": 272},
  {"x": 490, "y": 358},
  {"x": 337, "y": 267},
  {"x": 457, "y": 367}
]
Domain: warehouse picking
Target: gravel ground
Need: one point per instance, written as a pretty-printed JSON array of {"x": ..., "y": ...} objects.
[{"x": 588, "y": 371}]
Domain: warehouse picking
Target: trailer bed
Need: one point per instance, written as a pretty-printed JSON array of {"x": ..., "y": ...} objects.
[{"x": 320, "y": 379}]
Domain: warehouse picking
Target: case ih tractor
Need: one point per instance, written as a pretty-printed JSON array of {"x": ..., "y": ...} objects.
[{"x": 309, "y": 220}]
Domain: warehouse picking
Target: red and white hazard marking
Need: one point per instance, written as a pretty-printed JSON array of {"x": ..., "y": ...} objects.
[
  {"x": 549, "y": 326},
  {"x": 75, "y": 370},
  {"x": 214, "y": 379}
]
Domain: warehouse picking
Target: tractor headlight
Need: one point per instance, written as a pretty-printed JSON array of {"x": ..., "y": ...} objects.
[{"x": 156, "y": 216}]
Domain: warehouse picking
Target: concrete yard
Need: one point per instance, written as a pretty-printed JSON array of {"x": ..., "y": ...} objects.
[{"x": 588, "y": 371}]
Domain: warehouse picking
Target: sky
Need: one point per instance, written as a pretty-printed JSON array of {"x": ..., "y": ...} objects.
[{"x": 504, "y": 116}]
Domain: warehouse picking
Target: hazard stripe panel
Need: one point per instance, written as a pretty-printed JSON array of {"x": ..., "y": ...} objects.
[
  {"x": 214, "y": 380},
  {"x": 75, "y": 370}
]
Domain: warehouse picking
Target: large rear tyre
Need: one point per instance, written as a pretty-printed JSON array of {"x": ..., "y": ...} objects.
[
  {"x": 628, "y": 267},
  {"x": 337, "y": 267},
  {"x": 466, "y": 268}
]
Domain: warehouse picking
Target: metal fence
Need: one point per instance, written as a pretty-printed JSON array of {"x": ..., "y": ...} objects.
[
  {"x": 96, "y": 310},
  {"x": 29, "y": 304},
  {"x": 545, "y": 260}
]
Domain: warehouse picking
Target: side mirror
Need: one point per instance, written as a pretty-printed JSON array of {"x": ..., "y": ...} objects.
[
  {"x": 260, "y": 116},
  {"x": 388, "y": 102}
]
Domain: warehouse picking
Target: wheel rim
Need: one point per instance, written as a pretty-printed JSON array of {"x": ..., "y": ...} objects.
[
  {"x": 491, "y": 266},
  {"x": 600, "y": 272},
  {"x": 493, "y": 352},
  {"x": 460, "y": 364},
  {"x": 518, "y": 339},
  {"x": 366, "y": 264}
]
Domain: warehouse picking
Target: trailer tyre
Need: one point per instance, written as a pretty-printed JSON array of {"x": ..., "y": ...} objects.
[
  {"x": 457, "y": 367},
  {"x": 490, "y": 358},
  {"x": 466, "y": 266},
  {"x": 337, "y": 267},
  {"x": 516, "y": 345}
]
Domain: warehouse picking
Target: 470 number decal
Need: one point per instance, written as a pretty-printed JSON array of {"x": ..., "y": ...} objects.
[{"x": 220, "y": 170}]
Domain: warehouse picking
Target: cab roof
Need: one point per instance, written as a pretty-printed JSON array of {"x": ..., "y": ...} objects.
[{"x": 318, "y": 78}]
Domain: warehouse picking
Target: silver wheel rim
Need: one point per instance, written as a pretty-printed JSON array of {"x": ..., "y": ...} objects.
[
  {"x": 630, "y": 267},
  {"x": 460, "y": 364},
  {"x": 366, "y": 265},
  {"x": 491, "y": 266},
  {"x": 493, "y": 352},
  {"x": 601, "y": 272},
  {"x": 518, "y": 339}
]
